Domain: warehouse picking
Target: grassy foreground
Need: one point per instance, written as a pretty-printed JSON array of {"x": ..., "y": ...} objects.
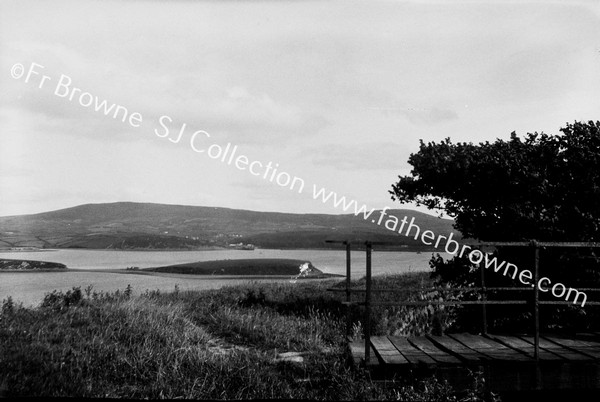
[{"x": 216, "y": 344}]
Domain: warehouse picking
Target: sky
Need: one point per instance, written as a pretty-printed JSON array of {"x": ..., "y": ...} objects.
[{"x": 333, "y": 94}]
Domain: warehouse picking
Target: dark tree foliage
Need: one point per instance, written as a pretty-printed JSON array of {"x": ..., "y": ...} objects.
[{"x": 543, "y": 187}]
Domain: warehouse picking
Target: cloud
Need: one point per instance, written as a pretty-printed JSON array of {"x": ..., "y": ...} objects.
[
  {"x": 429, "y": 116},
  {"x": 256, "y": 189},
  {"x": 204, "y": 99},
  {"x": 419, "y": 116},
  {"x": 365, "y": 156},
  {"x": 253, "y": 118}
]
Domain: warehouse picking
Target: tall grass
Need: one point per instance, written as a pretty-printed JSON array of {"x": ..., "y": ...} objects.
[{"x": 216, "y": 344}]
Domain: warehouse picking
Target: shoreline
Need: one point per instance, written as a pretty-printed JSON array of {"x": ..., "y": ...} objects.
[
  {"x": 361, "y": 248},
  {"x": 181, "y": 276},
  {"x": 170, "y": 275}
]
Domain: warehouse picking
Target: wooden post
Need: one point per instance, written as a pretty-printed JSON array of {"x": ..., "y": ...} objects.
[
  {"x": 536, "y": 299},
  {"x": 348, "y": 293},
  {"x": 368, "y": 306},
  {"x": 484, "y": 299}
]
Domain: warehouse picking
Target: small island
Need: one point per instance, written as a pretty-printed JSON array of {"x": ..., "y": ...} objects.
[
  {"x": 29, "y": 265},
  {"x": 247, "y": 267}
]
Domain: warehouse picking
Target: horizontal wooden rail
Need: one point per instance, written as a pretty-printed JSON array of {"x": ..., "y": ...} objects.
[
  {"x": 447, "y": 303},
  {"x": 503, "y": 289},
  {"x": 493, "y": 243},
  {"x": 587, "y": 303},
  {"x": 362, "y": 290},
  {"x": 463, "y": 302},
  {"x": 529, "y": 244}
]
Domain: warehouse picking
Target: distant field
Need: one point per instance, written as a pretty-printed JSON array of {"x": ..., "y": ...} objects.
[{"x": 242, "y": 267}]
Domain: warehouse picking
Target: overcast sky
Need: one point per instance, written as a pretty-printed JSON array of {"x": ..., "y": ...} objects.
[{"x": 337, "y": 93}]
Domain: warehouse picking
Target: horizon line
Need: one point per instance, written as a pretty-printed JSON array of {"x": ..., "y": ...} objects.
[{"x": 215, "y": 207}]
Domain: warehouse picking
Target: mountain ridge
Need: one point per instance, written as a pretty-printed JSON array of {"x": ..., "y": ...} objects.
[{"x": 133, "y": 225}]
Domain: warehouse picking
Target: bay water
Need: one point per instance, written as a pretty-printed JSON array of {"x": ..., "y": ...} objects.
[{"x": 30, "y": 287}]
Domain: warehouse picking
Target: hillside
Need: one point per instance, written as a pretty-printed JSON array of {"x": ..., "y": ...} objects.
[{"x": 127, "y": 225}]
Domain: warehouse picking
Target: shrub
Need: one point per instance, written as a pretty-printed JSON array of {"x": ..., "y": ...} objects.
[
  {"x": 59, "y": 300},
  {"x": 8, "y": 306}
]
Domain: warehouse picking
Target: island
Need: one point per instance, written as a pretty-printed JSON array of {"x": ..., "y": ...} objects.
[
  {"x": 247, "y": 267},
  {"x": 29, "y": 265}
]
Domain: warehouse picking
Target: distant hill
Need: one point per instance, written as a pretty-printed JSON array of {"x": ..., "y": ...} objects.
[{"x": 127, "y": 225}]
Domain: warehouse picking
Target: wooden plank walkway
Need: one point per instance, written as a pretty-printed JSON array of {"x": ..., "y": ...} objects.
[{"x": 507, "y": 361}]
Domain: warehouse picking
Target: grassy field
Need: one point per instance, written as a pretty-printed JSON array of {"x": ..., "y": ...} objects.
[{"x": 215, "y": 344}]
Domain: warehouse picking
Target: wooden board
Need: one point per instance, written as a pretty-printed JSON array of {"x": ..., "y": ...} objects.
[
  {"x": 458, "y": 349},
  {"x": 432, "y": 350},
  {"x": 507, "y": 360},
  {"x": 587, "y": 336},
  {"x": 493, "y": 349},
  {"x": 387, "y": 351},
  {"x": 357, "y": 349},
  {"x": 412, "y": 354},
  {"x": 557, "y": 349},
  {"x": 525, "y": 347},
  {"x": 588, "y": 348}
]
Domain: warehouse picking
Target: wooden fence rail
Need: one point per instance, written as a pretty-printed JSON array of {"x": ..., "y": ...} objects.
[{"x": 368, "y": 291}]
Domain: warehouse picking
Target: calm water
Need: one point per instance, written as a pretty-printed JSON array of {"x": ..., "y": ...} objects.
[{"x": 29, "y": 287}]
